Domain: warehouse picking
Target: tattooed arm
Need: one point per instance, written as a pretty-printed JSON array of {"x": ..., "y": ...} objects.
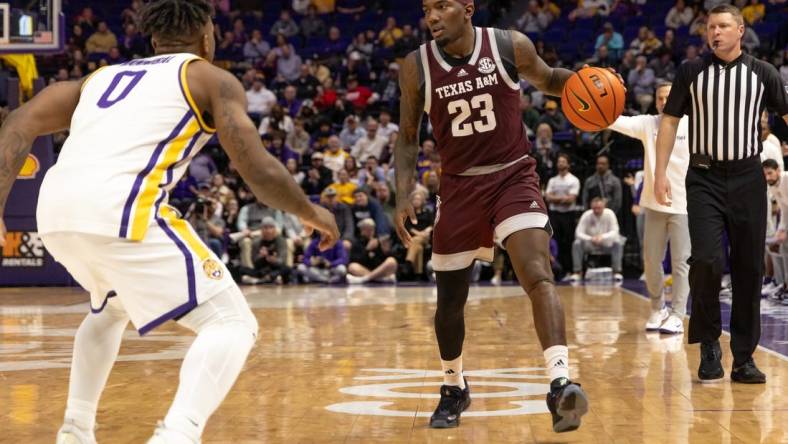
[
  {"x": 406, "y": 151},
  {"x": 220, "y": 94},
  {"x": 48, "y": 112},
  {"x": 531, "y": 67}
]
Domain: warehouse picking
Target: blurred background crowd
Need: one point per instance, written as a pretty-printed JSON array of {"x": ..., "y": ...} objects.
[{"x": 322, "y": 86}]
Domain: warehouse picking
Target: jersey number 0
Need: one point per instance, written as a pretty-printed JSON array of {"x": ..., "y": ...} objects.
[
  {"x": 111, "y": 96},
  {"x": 461, "y": 107}
]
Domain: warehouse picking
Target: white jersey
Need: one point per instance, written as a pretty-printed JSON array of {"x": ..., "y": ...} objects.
[
  {"x": 645, "y": 129},
  {"x": 133, "y": 133}
]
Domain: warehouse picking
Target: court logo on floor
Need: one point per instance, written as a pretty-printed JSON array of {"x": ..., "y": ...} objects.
[{"x": 526, "y": 395}]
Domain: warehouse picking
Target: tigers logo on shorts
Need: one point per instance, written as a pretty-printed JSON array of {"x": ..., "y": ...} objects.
[{"x": 212, "y": 269}]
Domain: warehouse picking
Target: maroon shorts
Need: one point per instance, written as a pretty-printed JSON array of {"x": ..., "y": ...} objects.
[{"x": 474, "y": 212}]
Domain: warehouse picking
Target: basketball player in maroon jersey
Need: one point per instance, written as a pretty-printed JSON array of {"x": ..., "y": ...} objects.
[{"x": 466, "y": 80}]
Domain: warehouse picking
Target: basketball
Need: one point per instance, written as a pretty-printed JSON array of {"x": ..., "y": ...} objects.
[{"x": 593, "y": 98}]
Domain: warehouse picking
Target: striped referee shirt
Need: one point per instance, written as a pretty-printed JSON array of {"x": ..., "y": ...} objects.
[{"x": 724, "y": 102}]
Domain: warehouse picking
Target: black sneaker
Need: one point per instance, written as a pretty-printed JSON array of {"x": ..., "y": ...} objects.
[
  {"x": 454, "y": 401},
  {"x": 568, "y": 403},
  {"x": 710, "y": 368},
  {"x": 748, "y": 373}
]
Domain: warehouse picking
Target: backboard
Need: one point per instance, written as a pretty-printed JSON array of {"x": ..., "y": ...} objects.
[{"x": 31, "y": 26}]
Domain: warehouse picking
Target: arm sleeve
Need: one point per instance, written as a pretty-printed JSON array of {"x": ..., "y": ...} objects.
[
  {"x": 381, "y": 222},
  {"x": 575, "y": 190},
  {"x": 783, "y": 215},
  {"x": 613, "y": 221},
  {"x": 242, "y": 215},
  {"x": 341, "y": 255},
  {"x": 281, "y": 250},
  {"x": 310, "y": 251},
  {"x": 617, "y": 194},
  {"x": 631, "y": 126},
  {"x": 348, "y": 233},
  {"x": 549, "y": 188},
  {"x": 776, "y": 92},
  {"x": 585, "y": 195},
  {"x": 580, "y": 231},
  {"x": 679, "y": 102}
]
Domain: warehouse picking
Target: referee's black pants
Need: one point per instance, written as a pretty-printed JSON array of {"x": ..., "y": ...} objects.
[{"x": 730, "y": 196}]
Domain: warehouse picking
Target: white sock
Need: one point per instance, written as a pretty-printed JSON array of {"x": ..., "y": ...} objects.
[
  {"x": 82, "y": 414},
  {"x": 226, "y": 332},
  {"x": 96, "y": 346},
  {"x": 556, "y": 359},
  {"x": 452, "y": 372}
]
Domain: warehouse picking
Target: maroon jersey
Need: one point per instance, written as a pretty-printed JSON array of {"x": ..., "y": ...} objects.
[{"x": 474, "y": 105}]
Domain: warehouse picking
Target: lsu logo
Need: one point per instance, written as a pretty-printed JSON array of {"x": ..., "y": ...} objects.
[
  {"x": 23, "y": 249},
  {"x": 486, "y": 65},
  {"x": 212, "y": 269},
  {"x": 31, "y": 168}
]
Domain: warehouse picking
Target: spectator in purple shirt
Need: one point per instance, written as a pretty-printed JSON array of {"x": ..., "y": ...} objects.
[
  {"x": 279, "y": 150},
  {"x": 327, "y": 267},
  {"x": 290, "y": 102}
]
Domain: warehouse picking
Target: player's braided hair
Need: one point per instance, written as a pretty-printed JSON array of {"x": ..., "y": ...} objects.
[{"x": 175, "y": 20}]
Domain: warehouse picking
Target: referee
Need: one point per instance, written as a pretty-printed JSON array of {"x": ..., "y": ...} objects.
[{"x": 723, "y": 94}]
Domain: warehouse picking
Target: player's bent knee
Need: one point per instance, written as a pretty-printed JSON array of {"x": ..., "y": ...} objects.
[
  {"x": 536, "y": 272},
  {"x": 227, "y": 307}
]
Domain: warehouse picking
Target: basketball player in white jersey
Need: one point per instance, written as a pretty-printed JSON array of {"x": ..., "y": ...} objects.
[
  {"x": 663, "y": 222},
  {"x": 103, "y": 212}
]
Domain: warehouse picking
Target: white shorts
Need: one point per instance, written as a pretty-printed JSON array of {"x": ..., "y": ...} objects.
[{"x": 161, "y": 278}]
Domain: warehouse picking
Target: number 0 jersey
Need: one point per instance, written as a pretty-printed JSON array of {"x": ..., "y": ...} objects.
[
  {"x": 474, "y": 107},
  {"x": 132, "y": 135}
]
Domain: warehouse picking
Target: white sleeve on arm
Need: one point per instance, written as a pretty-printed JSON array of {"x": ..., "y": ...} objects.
[
  {"x": 580, "y": 231},
  {"x": 632, "y": 126},
  {"x": 610, "y": 218},
  {"x": 783, "y": 214},
  {"x": 575, "y": 189},
  {"x": 550, "y": 186}
]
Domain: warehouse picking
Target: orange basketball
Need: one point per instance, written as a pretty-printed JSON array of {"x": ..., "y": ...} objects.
[{"x": 593, "y": 98}]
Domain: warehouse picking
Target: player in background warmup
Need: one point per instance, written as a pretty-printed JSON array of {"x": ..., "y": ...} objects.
[
  {"x": 663, "y": 222},
  {"x": 466, "y": 80},
  {"x": 103, "y": 211}
]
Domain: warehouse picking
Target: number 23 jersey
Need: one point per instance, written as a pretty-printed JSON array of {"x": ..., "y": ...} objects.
[
  {"x": 132, "y": 135},
  {"x": 474, "y": 104}
]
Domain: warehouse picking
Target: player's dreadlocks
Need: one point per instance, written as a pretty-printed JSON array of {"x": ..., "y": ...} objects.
[{"x": 175, "y": 20}]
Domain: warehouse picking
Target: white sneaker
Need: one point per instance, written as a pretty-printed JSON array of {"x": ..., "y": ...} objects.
[
  {"x": 618, "y": 277},
  {"x": 574, "y": 277},
  {"x": 495, "y": 281},
  {"x": 249, "y": 280},
  {"x": 355, "y": 280},
  {"x": 163, "y": 435},
  {"x": 71, "y": 434},
  {"x": 656, "y": 319},
  {"x": 389, "y": 279},
  {"x": 770, "y": 288},
  {"x": 672, "y": 326}
]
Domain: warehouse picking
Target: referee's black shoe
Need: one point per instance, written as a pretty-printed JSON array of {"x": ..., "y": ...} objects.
[
  {"x": 748, "y": 373},
  {"x": 454, "y": 401},
  {"x": 710, "y": 369},
  {"x": 567, "y": 403}
]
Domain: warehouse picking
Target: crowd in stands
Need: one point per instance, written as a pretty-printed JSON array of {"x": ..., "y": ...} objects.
[{"x": 322, "y": 86}]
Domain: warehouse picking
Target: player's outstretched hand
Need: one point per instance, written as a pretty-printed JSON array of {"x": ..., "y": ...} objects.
[
  {"x": 324, "y": 222},
  {"x": 404, "y": 211},
  {"x": 613, "y": 70},
  {"x": 2, "y": 233}
]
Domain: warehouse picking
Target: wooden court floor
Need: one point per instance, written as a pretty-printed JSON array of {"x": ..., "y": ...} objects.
[{"x": 359, "y": 365}]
